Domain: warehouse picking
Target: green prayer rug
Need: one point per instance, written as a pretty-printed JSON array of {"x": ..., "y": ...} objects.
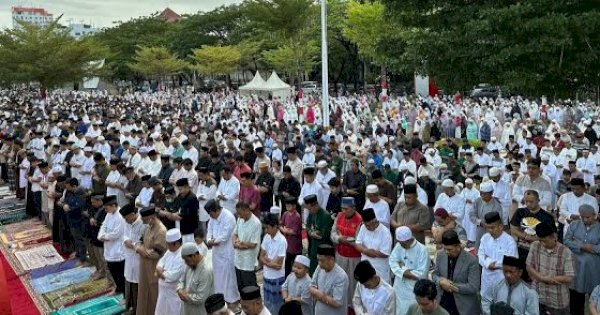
[
  {"x": 77, "y": 293},
  {"x": 104, "y": 305}
]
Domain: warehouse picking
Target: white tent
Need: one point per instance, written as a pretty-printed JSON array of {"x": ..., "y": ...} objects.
[
  {"x": 255, "y": 86},
  {"x": 277, "y": 87}
]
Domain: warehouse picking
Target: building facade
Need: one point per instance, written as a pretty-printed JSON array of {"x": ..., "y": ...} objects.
[
  {"x": 79, "y": 30},
  {"x": 36, "y": 16}
]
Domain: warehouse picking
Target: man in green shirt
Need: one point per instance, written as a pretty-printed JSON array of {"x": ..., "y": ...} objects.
[
  {"x": 318, "y": 227},
  {"x": 390, "y": 174},
  {"x": 337, "y": 163},
  {"x": 426, "y": 293}
]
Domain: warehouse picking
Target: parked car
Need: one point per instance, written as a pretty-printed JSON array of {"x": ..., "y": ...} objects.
[
  {"x": 310, "y": 87},
  {"x": 485, "y": 90}
]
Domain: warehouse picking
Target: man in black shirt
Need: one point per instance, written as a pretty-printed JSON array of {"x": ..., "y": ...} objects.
[
  {"x": 187, "y": 204},
  {"x": 289, "y": 186},
  {"x": 264, "y": 183}
]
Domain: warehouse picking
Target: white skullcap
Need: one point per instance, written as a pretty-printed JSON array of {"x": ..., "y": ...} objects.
[
  {"x": 447, "y": 183},
  {"x": 371, "y": 161},
  {"x": 403, "y": 234},
  {"x": 57, "y": 169},
  {"x": 372, "y": 189},
  {"x": 493, "y": 138},
  {"x": 275, "y": 210},
  {"x": 486, "y": 187},
  {"x": 443, "y": 165},
  {"x": 545, "y": 157},
  {"x": 303, "y": 260},
  {"x": 100, "y": 138},
  {"x": 468, "y": 181},
  {"x": 409, "y": 180},
  {"x": 87, "y": 149},
  {"x": 494, "y": 171},
  {"x": 322, "y": 163},
  {"x": 423, "y": 172},
  {"x": 173, "y": 235}
]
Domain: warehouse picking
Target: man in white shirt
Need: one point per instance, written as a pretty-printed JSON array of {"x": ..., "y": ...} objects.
[
  {"x": 145, "y": 196},
  {"x": 373, "y": 295},
  {"x": 451, "y": 201},
  {"x": 495, "y": 244},
  {"x": 85, "y": 180},
  {"x": 112, "y": 233},
  {"x": 228, "y": 190},
  {"x": 484, "y": 162},
  {"x": 294, "y": 163},
  {"x": 272, "y": 257},
  {"x": 587, "y": 165},
  {"x": 190, "y": 152},
  {"x": 569, "y": 203},
  {"x": 103, "y": 147},
  {"x": 324, "y": 174},
  {"x": 38, "y": 181},
  {"x": 149, "y": 165},
  {"x": 374, "y": 242},
  {"x": 408, "y": 164},
  {"x": 134, "y": 157},
  {"x": 169, "y": 269},
  {"x": 133, "y": 232},
  {"x": 380, "y": 206},
  {"x": 311, "y": 187},
  {"x": 246, "y": 241}
]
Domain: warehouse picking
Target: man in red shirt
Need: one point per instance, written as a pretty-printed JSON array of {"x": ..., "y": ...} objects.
[
  {"x": 249, "y": 193},
  {"x": 343, "y": 235}
]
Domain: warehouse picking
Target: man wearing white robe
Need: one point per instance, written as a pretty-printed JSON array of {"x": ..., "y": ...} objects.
[
  {"x": 85, "y": 179},
  {"x": 494, "y": 245},
  {"x": 228, "y": 190},
  {"x": 220, "y": 238},
  {"x": 372, "y": 295},
  {"x": 569, "y": 203},
  {"x": 374, "y": 241},
  {"x": 311, "y": 187},
  {"x": 587, "y": 165},
  {"x": 150, "y": 165},
  {"x": 135, "y": 158},
  {"x": 324, "y": 174},
  {"x": 452, "y": 202},
  {"x": 380, "y": 206},
  {"x": 409, "y": 261},
  {"x": 132, "y": 237},
  {"x": 145, "y": 196},
  {"x": 169, "y": 269}
]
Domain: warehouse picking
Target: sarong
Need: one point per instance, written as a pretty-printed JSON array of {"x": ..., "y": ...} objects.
[{"x": 272, "y": 294}]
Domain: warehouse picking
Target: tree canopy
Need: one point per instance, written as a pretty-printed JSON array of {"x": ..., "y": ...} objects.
[{"x": 156, "y": 62}]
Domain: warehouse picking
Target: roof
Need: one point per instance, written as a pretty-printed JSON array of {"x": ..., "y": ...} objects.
[
  {"x": 169, "y": 15},
  {"x": 36, "y": 11}
]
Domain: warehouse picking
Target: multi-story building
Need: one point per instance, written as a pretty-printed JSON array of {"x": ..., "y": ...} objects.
[
  {"x": 79, "y": 30},
  {"x": 36, "y": 16}
]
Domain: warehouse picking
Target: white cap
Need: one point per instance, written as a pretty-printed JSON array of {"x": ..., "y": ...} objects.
[
  {"x": 546, "y": 157},
  {"x": 275, "y": 210},
  {"x": 100, "y": 138},
  {"x": 494, "y": 171},
  {"x": 403, "y": 234},
  {"x": 486, "y": 187},
  {"x": 322, "y": 163},
  {"x": 371, "y": 161},
  {"x": 443, "y": 165},
  {"x": 57, "y": 169},
  {"x": 493, "y": 138},
  {"x": 87, "y": 149},
  {"x": 409, "y": 180},
  {"x": 423, "y": 172},
  {"x": 447, "y": 183},
  {"x": 372, "y": 189},
  {"x": 303, "y": 260},
  {"x": 468, "y": 181},
  {"x": 173, "y": 235}
]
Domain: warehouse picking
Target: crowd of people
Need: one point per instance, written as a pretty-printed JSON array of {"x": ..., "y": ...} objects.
[{"x": 217, "y": 203}]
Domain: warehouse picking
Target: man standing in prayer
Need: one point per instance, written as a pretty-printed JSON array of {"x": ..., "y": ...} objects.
[
  {"x": 511, "y": 290},
  {"x": 374, "y": 241},
  {"x": 343, "y": 234},
  {"x": 220, "y": 238},
  {"x": 409, "y": 262},
  {"x": 272, "y": 257},
  {"x": 153, "y": 246},
  {"x": 570, "y": 202},
  {"x": 379, "y": 206},
  {"x": 372, "y": 295},
  {"x": 246, "y": 242},
  {"x": 311, "y": 187},
  {"x": 196, "y": 283},
  {"x": 457, "y": 275},
  {"x": 73, "y": 203},
  {"x": 451, "y": 201},
  {"x": 111, "y": 233},
  {"x": 134, "y": 230},
  {"x": 93, "y": 219},
  {"x": 486, "y": 203},
  {"x": 329, "y": 286},
  {"x": 252, "y": 303},
  {"x": 169, "y": 269},
  {"x": 495, "y": 245},
  {"x": 187, "y": 205},
  {"x": 550, "y": 266},
  {"x": 412, "y": 213},
  {"x": 228, "y": 190},
  {"x": 533, "y": 180},
  {"x": 318, "y": 226},
  {"x": 426, "y": 297}
]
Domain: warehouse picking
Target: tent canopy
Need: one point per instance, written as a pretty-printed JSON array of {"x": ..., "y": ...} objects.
[
  {"x": 256, "y": 84},
  {"x": 274, "y": 83},
  {"x": 273, "y": 86}
]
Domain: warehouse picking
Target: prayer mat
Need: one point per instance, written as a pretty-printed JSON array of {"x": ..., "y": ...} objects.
[
  {"x": 77, "y": 293},
  {"x": 61, "y": 280},
  {"x": 38, "y": 257},
  {"x": 55, "y": 268},
  {"x": 104, "y": 305},
  {"x": 21, "y": 226}
]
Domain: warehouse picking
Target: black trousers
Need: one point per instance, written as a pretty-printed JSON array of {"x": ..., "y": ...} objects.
[
  {"x": 117, "y": 271},
  {"x": 289, "y": 262},
  {"x": 37, "y": 203},
  {"x": 131, "y": 292},
  {"x": 577, "y": 302},
  {"x": 245, "y": 278},
  {"x": 78, "y": 240}
]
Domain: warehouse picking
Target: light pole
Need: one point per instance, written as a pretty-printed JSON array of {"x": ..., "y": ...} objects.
[{"x": 324, "y": 66}]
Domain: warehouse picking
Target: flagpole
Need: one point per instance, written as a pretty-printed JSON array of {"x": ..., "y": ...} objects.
[{"x": 324, "y": 65}]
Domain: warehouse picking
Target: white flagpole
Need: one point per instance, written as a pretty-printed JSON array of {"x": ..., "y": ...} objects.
[{"x": 324, "y": 66}]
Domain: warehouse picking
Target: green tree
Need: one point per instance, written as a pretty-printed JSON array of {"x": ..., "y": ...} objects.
[
  {"x": 294, "y": 59},
  {"x": 216, "y": 60},
  {"x": 532, "y": 47},
  {"x": 47, "y": 55},
  {"x": 157, "y": 62}
]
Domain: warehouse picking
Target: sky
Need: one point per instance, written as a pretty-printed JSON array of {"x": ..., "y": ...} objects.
[{"x": 102, "y": 13}]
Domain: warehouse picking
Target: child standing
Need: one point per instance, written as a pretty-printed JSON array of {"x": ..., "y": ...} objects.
[{"x": 295, "y": 287}]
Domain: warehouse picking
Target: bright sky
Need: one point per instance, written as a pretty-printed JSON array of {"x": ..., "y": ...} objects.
[{"x": 102, "y": 13}]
